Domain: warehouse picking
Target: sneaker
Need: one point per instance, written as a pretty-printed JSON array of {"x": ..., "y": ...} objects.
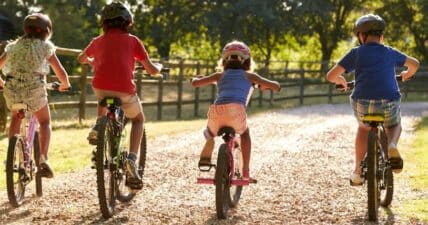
[
  {"x": 395, "y": 158},
  {"x": 133, "y": 179},
  {"x": 45, "y": 170},
  {"x": 93, "y": 135},
  {"x": 356, "y": 179}
]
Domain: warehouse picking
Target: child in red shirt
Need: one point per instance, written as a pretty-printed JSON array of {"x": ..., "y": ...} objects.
[{"x": 113, "y": 55}]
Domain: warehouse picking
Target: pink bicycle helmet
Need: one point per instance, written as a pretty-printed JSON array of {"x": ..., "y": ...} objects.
[
  {"x": 39, "y": 21},
  {"x": 236, "y": 48}
]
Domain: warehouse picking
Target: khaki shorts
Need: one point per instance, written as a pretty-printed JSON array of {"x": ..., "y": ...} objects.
[
  {"x": 35, "y": 98},
  {"x": 232, "y": 115},
  {"x": 131, "y": 104}
]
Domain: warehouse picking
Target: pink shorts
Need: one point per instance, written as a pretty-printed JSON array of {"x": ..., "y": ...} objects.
[
  {"x": 131, "y": 104},
  {"x": 232, "y": 115}
]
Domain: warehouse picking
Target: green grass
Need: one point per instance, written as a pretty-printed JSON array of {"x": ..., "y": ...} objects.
[{"x": 417, "y": 162}]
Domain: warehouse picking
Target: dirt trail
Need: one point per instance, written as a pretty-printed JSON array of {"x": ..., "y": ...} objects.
[{"x": 302, "y": 158}]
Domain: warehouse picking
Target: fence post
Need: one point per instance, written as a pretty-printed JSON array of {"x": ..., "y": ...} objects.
[
  {"x": 82, "y": 102},
  {"x": 160, "y": 99},
  {"x": 180, "y": 89},
  {"x": 196, "y": 109},
  {"x": 302, "y": 85}
]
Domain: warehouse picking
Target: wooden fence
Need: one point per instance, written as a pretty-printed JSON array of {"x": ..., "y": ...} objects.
[{"x": 299, "y": 81}]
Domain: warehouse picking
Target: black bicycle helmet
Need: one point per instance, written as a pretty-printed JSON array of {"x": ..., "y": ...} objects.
[
  {"x": 116, "y": 10},
  {"x": 39, "y": 21},
  {"x": 369, "y": 24}
]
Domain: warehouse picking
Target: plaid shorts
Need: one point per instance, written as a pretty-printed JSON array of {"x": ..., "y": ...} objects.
[
  {"x": 389, "y": 109},
  {"x": 232, "y": 115}
]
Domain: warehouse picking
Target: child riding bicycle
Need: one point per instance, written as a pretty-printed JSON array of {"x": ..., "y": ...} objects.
[
  {"x": 376, "y": 89},
  {"x": 25, "y": 63},
  {"x": 233, "y": 84},
  {"x": 113, "y": 55}
]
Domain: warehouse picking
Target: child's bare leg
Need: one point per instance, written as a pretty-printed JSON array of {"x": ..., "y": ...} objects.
[
  {"x": 246, "y": 149},
  {"x": 136, "y": 133},
  {"x": 393, "y": 134},
  {"x": 44, "y": 119},
  {"x": 360, "y": 146},
  {"x": 15, "y": 125},
  {"x": 208, "y": 149}
]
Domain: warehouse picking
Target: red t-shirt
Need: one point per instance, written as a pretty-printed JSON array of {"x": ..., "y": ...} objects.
[{"x": 114, "y": 56}]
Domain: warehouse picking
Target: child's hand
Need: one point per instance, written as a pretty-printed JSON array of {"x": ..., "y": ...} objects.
[
  {"x": 64, "y": 87},
  {"x": 1, "y": 83},
  {"x": 341, "y": 81},
  {"x": 404, "y": 76}
]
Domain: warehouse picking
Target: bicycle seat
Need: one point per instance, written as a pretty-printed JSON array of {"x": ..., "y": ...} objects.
[
  {"x": 368, "y": 118},
  {"x": 110, "y": 101},
  {"x": 226, "y": 130}
]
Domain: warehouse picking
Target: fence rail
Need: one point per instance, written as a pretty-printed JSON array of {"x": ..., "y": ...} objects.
[{"x": 298, "y": 83}]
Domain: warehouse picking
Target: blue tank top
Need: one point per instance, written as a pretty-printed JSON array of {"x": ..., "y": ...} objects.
[
  {"x": 374, "y": 66},
  {"x": 233, "y": 87}
]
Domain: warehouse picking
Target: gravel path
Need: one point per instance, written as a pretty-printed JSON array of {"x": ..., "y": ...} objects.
[{"x": 301, "y": 157}]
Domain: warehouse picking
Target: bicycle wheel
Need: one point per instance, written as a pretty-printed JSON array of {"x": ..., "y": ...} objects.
[
  {"x": 105, "y": 169},
  {"x": 36, "y": 149},
  {"x": 143, "y": 152},
  {"x": 16, "y": 178},
  {"x": 222, "y": 183},
  {"x": 372, "y": 182},
  {"x": 236, "y": 191},
  {"x": 386, "y": 186}
]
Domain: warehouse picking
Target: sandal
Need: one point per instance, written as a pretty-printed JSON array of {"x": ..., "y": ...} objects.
[
  {"x": 204, "y": 164},
  {"x": 395, "y": 159},
  {"x": 246, "y": 176}
]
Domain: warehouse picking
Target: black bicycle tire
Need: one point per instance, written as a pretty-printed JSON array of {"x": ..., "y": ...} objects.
[
  {"x": 235, "y": 195},
  {"x": 12, "y": 196},
  {"x": 106, "y": 207},
  {"x": 38, "y": 176},
  {"x": 372, "y": 182},
  {"x": 388, "y": 179},
  {"x": 222, "y": 196},
  {"x": 387, "y": 176},
  {"x": 143, "y": 154}
]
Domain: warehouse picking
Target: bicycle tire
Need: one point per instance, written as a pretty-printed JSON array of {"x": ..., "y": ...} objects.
[
  {"x": 14, "y": 170},
  {"x": 36, "y": 150},
  {"x": 236, "y": 190},
  {"x": 222, "y": 183},
  {"x": 372, "y": 182},
  {"x": 105, "y": 177},
  {"x": 387, "y": 193},
  {"x": 143, "y": 153}
]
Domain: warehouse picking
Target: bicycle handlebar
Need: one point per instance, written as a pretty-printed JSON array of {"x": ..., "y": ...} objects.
[{"x": 351, "y": 84}]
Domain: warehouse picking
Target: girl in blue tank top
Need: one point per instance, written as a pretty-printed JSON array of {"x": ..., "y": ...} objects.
[{"x": 234, "y": 87}]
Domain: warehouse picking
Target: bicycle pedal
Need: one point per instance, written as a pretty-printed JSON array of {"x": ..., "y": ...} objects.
[{"x": 206, "y": 168}]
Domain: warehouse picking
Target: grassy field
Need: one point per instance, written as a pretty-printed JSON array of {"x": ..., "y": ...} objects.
[{"x": 417, "y": 162}]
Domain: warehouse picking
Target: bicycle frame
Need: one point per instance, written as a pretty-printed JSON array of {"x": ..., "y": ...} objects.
[{"x": 229, "y": 140}]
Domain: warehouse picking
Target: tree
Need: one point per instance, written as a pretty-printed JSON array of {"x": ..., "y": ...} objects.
[
  {"x": 406, "y": 19},
  {"x": 329, "y": 20},
  {"x": 15, "y": 11}
]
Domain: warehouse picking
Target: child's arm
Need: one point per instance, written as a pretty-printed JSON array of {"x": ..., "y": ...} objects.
[
  {"x": 150, "y": 67},
  {"x": 412, "y": 65},
  {"x": 210, "y": 79},
  {"x": 2, "y": 62},
  {"x": 84, "y": 59},
  {"x": 263, "y": 82},
  {"x": 59, "y": 72},
  {"x": 335, "y": 76}
]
